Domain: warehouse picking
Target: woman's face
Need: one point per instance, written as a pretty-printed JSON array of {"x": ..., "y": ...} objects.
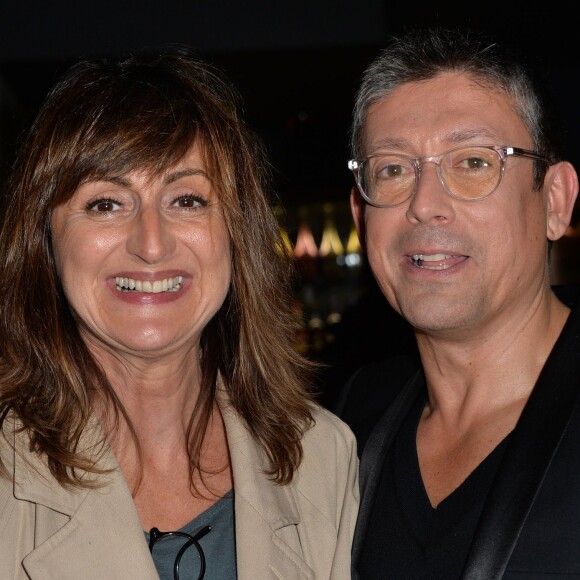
[{"x": 144, "y": 260}]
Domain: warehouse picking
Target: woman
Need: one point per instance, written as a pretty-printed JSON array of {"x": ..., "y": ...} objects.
[{"x": 148, "y": 382}]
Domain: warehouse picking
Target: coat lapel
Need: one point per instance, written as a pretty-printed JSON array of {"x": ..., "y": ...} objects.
[
  {"x": 85, "y": 533},
  {"x": 266, "y": 514},
  {"x": 532, "y": 446},
  {"x": 375, "y": 451}
]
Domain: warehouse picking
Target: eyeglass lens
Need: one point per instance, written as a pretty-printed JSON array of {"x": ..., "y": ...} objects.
[{"x": 467, "y": 173}]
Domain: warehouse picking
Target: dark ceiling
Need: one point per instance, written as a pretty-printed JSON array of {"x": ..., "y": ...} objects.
[{"x": 297, "y": 63}]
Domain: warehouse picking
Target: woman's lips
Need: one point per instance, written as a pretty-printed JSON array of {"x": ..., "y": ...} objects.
[{"x": 172, "y": 284}]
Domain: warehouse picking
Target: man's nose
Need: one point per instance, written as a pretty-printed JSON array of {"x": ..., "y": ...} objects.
[{"x": 431, "y": 204}]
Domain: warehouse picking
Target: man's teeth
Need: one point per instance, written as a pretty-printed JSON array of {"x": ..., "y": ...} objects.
[
  {"x": 155, "y": 287},
  {"x": 420, "y": 260}
]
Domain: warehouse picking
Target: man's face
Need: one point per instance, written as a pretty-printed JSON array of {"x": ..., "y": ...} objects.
[{"x": 479, "y": 259}]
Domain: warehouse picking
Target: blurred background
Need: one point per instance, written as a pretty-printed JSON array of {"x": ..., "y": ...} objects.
[{"x": 297, "y": 65}]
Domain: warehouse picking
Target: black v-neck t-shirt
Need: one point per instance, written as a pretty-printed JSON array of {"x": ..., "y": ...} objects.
[{"x": 406, "y": 537}]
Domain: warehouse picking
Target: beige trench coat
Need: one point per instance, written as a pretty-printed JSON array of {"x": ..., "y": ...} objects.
[{"x": 299, "y": 531}]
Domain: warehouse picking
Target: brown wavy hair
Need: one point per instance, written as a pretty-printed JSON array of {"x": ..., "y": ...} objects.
[{"x": 105, "y": 118}]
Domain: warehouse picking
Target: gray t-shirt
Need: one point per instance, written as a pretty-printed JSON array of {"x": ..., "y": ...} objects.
[{"x": 217, "y": 544}]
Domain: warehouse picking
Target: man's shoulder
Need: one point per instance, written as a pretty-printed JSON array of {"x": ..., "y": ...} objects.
[
  {"x": 376, "y": 384},
  {"x": 567, "y": 293},
  {"x": 371, "y": 390}
]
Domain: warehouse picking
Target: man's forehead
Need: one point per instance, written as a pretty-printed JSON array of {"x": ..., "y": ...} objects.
[
  {"x": 451, "y": 108},
  {"x": 444, "y": 89}
]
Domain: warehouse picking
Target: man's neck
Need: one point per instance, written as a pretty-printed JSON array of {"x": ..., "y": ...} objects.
[{"x": 476, "y": 393}]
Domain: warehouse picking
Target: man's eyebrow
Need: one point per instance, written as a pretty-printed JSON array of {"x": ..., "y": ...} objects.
[
  {"x": 390, "y": 143},
  {"x": 457, "y": 136},
  {"x": 176, "y": 175},
  {"x": 461, "y": 135}
]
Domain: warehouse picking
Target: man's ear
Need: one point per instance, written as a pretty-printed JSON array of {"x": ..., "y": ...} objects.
[
  {"x": 562, "y": 183},
  {"x": 357, "y": 208}
]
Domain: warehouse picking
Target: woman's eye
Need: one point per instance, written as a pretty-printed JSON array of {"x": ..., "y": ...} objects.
[
  {"x": 190, "y": 201},
  {"x": 103, "y": 205}
]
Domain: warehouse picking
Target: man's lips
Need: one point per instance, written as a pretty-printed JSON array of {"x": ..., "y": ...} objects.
[{"x": 436, "y": 261}]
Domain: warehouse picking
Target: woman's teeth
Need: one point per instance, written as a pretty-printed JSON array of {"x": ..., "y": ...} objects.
[{"x": 155, "y": 287}]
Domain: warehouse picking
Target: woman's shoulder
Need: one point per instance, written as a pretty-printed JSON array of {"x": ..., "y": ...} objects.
[
  {"x": 328, "y": 431},
  {"x": 327, "y": 420},
  {"x": 7, "y": 459},
  {"x": 328, "y": 473}
]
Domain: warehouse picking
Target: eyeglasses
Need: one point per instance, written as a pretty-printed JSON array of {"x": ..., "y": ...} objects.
[
  {"x": 155, "y": 535},
  {"x": 468, "y": 173}
]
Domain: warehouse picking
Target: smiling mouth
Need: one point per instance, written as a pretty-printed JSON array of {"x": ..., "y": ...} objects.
[
  {"x": 151, "y": 287},
  {"x": 431, "y": 262}
]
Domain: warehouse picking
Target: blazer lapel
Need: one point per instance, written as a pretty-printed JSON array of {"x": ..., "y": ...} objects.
[
  {"x": 530, "y": 450},
  {"x": 375, "y": 451}
]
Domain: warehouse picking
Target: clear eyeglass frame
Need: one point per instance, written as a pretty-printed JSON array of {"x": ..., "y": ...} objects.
[
  {"x": 502, "y": 152},
  {"x": 155, "y": 535}
]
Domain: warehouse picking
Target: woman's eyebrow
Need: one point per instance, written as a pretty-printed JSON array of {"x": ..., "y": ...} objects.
[
  {"x": 116, "y": 179},
  {"x": 176, "y": 175}
]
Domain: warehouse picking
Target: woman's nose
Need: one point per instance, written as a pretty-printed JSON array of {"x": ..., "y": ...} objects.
[{"x": 150, "y": 238}]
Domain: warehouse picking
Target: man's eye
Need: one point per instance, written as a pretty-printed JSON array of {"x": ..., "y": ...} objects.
[
  {"x": 474, "y": 163},
  {"x": 392, "y": 171},
  {"x": 103, "y": 206}
]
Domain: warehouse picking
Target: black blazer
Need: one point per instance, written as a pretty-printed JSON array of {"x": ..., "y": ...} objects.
[{"x": 530, "y": 523}]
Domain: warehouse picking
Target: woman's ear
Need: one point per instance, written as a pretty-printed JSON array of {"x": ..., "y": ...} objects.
[
  {"x": 357, "y": 208},
  {"x": 562, "y": 186}
]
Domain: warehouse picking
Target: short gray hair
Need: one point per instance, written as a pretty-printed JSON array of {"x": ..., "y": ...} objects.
[{"x": 422, "y": 54}]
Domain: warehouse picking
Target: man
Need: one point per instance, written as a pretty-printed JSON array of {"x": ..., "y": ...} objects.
[{"x": 470, "y": 457}]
